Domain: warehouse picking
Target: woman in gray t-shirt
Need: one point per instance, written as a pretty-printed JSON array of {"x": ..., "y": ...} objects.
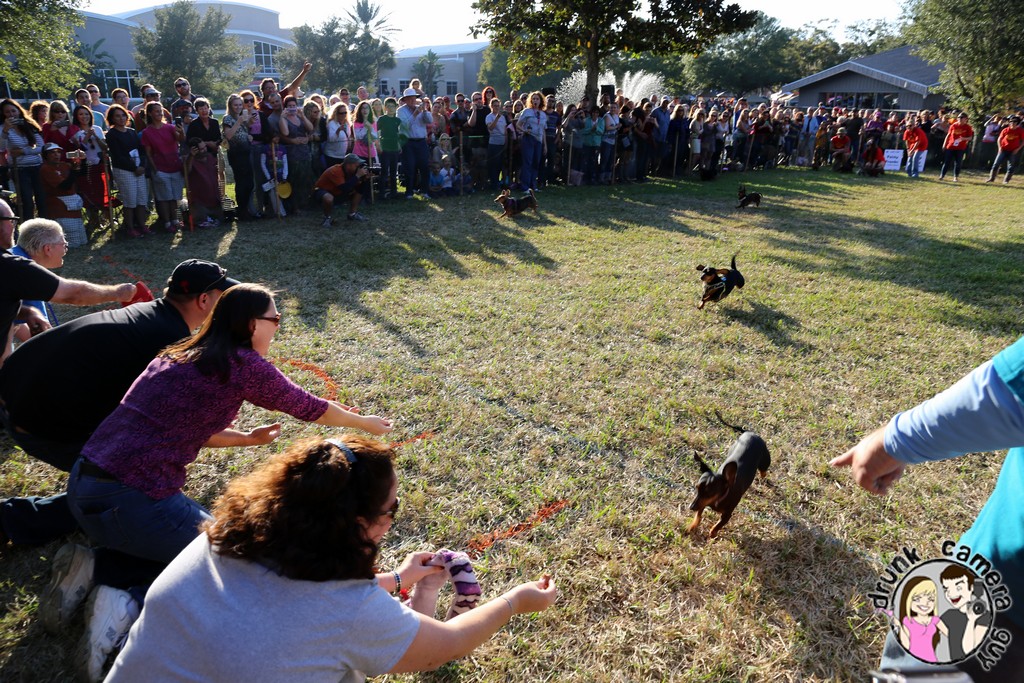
[{"x": 281, "y": 586}]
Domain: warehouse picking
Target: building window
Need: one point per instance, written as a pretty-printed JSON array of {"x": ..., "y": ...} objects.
[
  {"x": 384, "y": 87},
  {"x": 109, "y": 79},
  {"x": 402, "y": 85},
  {"x": 451, "y": 88},
  {"x": 263, "y": 54}
]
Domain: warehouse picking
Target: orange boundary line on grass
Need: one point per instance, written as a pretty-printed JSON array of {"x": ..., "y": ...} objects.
[
  {"x": 110, "y": 260},
  {"x": 332, "y": 386},
  {"x": 429, "y": 434},
  {"x": 478, "y": 544}
]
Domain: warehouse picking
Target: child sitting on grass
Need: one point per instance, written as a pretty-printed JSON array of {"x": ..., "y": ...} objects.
[{"x": 463, "y": 180}]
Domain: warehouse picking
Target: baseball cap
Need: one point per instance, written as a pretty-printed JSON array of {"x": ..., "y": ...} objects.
[
  {"x": 196, "y": 276},
  {"x": 50, "y": 146},
  {"x": 150, "y": 91},
  {"x": 351, "y": 159}
]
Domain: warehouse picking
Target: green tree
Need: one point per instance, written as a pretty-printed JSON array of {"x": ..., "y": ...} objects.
[
  {"x": 98, "y": 60},
  {"x": 744, "y": 62},
  {"x": 183, "y": 43},
  {"x": 38, "y": 43},
  {"x": 428, "y": 69},
  {"x": 341, "y": 53},
  {"x": 980, "y": 43},
  {"x": 871, "y": 37},
  {"x": 494, "y": 70},
  {"x": 812, "y": 48},
  {"x": 545, "y": 34},
  {"x": 373, "y": 43}
]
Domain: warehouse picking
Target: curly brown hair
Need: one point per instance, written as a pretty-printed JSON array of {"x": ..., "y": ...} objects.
[{"x": 300, "y": 512}]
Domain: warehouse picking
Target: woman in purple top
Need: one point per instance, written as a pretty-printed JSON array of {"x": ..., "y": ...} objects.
[{"x": 125, "y": 490}]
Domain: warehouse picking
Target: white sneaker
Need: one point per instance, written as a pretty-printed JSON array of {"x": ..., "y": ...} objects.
[
  {"x": 70, "y": 582},
  {"x": 327, "y": 222},
  {"x": 109, "y": 614}
]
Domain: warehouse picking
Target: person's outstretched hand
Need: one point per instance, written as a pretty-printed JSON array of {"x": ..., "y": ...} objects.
[
  {"x": 534, "y": 596},
  {"x": 872, "y": 468}
]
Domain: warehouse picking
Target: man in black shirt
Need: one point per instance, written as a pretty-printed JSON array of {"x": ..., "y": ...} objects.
[
  {"x": 58, "y": 387},
  {"x": 21, "y": 278}
]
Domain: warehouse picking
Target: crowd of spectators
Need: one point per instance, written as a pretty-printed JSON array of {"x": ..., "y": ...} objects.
[{"x": 279, "y": 143}]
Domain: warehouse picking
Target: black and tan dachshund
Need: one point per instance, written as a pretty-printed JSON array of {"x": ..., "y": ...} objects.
[{"x": 719, "y": 282}]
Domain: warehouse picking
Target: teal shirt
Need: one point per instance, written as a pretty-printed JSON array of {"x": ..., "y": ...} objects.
[{"x": 998, "y": 532}]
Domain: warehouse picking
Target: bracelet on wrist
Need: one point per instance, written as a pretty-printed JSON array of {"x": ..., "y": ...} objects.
[
  {"x": 510, "y": 607},
  {"x": 398, "y": 582}
]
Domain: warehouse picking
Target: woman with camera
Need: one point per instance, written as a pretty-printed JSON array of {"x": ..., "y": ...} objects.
[
  {"x": 56, "y": 129},
  {"x": 23, "y": 141},
  {"x": 92, "y": 185},
  {"x": 296, "y": 542},
  {"x": 295, "y": 130},
  {"x": 160, "y": 140},
  {"x": 129, "y": 169},
  {"x": 59, "y": 179},
  {"x": 235, "y": 125}
]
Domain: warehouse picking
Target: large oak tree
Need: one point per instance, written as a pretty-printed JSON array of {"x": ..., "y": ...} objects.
[{"x": 544, "y": 34}]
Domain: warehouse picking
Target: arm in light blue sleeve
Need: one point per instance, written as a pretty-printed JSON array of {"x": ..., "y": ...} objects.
[{"x": 978, "y": 413}]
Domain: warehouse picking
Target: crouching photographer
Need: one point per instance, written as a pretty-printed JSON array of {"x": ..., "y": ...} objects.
[{"x": 350, "y": 179}]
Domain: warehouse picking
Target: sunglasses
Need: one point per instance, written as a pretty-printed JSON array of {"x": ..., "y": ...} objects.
[
  {"x": 248, "y": 100},
  {"x": 393, "y": 510},
  {"x": 180, "y": 85},
  {"x": 276, "y": 319}
]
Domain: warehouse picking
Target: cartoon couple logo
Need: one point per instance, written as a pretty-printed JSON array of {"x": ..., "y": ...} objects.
[{"x": 941, "y": 626}]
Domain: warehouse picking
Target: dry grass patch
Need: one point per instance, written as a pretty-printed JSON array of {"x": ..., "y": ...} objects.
[{"x": 563, "y": 358}]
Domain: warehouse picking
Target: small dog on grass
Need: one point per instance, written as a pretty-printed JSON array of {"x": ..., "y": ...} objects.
[
  {"x": 748, "y": 199},
  {"x": 513, "y": 206},
  {"x": 722, "y": 490},
  {"x": 719, "y": 282}
]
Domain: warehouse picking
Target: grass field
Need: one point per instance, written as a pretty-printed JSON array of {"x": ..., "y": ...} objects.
[{"x": 563, "y": 358}]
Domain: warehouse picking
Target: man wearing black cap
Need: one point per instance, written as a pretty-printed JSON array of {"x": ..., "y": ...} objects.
[
  {"x": 56, "y": 388},
  {"x": 347, "y": 179}
]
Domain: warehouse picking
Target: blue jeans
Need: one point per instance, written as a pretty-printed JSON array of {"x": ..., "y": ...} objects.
[
  {"x": 495, "y": 160},
  {"x": 913, "y": 159},
  {"x": 35, "y": 520},
  {"x": 955, "y": 156},
  {"x": 414, "y": 164},
  {"x": 30, "y": 192},
  {"x": 531, "y": 150},
  {"x": 1004, "y": 156},
  {"x": 123, "y": 518}
]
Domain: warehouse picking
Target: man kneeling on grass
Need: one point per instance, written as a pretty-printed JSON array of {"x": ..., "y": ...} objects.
[{"x": 348, "y": 179}]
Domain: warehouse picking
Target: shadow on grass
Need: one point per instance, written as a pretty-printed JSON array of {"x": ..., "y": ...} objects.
[
  {"x": 36, "y": 656},
  {"x": 815, "y": 578},
  {"x": 984, "y": 277},
  {"x": 774, "y": 324}
]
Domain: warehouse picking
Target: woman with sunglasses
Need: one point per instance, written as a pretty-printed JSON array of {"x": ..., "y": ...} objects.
[
  {"x": 296, "y": 543},
  {"x": 235, "y": 125},
  {"x": 125, "y": 491}
]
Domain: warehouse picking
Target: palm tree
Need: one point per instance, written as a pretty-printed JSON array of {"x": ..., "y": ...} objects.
[
  {"x": 367, "y": 17},
  {"x": 428, "y": 69},
  {"x": 375, "y": 29},
  {"x": 98, "y": 59}
]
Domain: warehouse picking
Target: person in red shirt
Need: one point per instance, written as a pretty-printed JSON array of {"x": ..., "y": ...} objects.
[
  {"x": 1011, "y": 140},
  {"x": 872, "y": 159},
  {"x": 917, "y": 146},
  {"x": 958, "y": 136},
  {"x": 349, "y": 179},
  {"x": 840, "y": 146}
]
